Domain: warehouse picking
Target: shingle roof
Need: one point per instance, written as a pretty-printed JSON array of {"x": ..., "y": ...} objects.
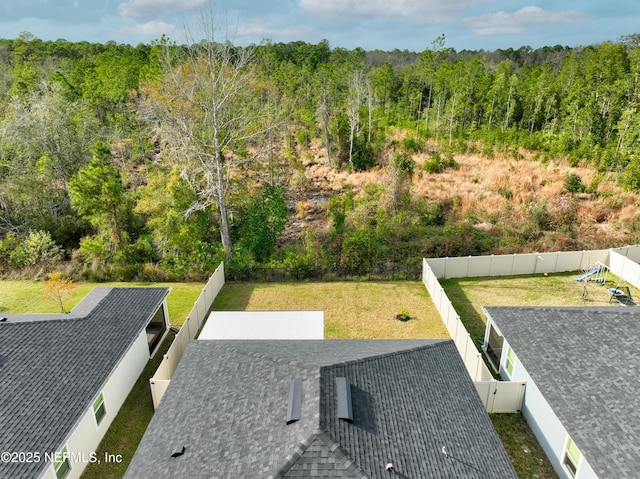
[
  {"x": 228, "y": 400},
  {"x": 52, "y": 367},
  {"x": 586, "y": 362}
]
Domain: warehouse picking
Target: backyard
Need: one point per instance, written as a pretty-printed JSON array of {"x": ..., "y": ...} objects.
[{"x": 353, "y": 310}]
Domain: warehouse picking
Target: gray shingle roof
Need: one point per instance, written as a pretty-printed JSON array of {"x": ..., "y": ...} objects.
[
  {"x": 227, "y": 405},
  {"x": 586, "y": 362},
  {"x": 52, "y": 367}
]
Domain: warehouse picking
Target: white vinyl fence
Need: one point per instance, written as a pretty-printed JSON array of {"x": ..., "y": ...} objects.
[
  {"x": 160, "y": 380},
  {"x": 517, "y": 264},
  {"x": 623, "y": 263},
  {"x": 472, "y": 358},
  {"x": 499, "y": 396}
]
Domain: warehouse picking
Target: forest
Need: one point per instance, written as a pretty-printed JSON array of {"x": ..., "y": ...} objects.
[{"x": 158, "y": 161}]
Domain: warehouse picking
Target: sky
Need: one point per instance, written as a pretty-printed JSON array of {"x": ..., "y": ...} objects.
[{"x": 369, "y": 24}]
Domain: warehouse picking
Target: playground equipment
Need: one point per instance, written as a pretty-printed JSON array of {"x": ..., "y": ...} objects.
[
  {"x": 597, "y": 273},
  {"x": 622, "y": 294}
]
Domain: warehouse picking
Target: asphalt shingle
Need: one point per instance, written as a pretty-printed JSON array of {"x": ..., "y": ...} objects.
[
  {"x": 586, "y": 363},
  {"x": 53, "y": 366},
  {"x": 227, "y": 403}
]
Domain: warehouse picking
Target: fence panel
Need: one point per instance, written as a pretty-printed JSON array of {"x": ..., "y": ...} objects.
[
  {"x": 177, "y": 348},
  {"x": 632, "y": 252},
  {"x": 501, "y": 396},
  {"x": 625, "y": 268},
  {"x": 158, "y": 388},
  {"x": 188, "y": 331},
  {"x": 515, "y": 264}
]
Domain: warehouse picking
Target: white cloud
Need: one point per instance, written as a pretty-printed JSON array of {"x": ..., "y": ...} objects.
[
  {"x": 263, "y": 29},
  {"x": 520, "y": 21},
  {"x": 156, "y": 8},
  {"x": 419, "y": 10},
  {"x": 149, "y": 29}
]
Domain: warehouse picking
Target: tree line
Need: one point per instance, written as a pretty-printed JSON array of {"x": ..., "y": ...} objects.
[{"x": 165, "y": 158}]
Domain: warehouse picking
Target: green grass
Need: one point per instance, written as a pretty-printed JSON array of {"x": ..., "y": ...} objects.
[
  {"x": 27, "y": 297},
  {"x": 526, "y": 455},
  {"x": 468, "y": 295},
  {"x": 352, "y": 310}
]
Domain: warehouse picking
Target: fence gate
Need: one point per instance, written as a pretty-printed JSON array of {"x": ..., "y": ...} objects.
[{"x": 501, "y": 396}]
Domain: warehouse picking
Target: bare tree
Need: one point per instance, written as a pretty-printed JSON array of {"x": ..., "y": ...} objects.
[
  {"x": 210, "y": 110},
  {"x": 357, "y": 92}
]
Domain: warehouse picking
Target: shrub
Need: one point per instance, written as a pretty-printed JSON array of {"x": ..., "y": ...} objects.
[
  {"x": 573, "y": 183},
  {"x": 37, "y": 247},
  {"x": 437, "y": 164},
  {"x": 410, "y": 144},
  {"x": 302, "y": 138},
  {"x": 405, "y": 163}
]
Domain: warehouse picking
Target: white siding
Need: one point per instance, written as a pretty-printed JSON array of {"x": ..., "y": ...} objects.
[
  {"x": 86, "y": 437},
  {"x": 544, "y": 423}
]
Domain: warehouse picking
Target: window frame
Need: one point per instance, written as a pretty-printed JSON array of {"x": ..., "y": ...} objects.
[
  {"x": 99, "y": 409},
  {"x": 62, "y": 467},
  {"x": 571, "y": 457},
  {"x": 510, "y": 360}
]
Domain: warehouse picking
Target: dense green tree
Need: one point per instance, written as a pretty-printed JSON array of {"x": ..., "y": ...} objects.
[{"x": 98, "y": 195}]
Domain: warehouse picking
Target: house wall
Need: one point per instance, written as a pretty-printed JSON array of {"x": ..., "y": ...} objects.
[
  {"x": 86, "y": 437},
  {"x": 544, "y": 423}
]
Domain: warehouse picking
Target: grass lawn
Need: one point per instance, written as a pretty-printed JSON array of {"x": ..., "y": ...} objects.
[
  {"x": 352, "y": 310},
  {"x": 26, "y": 297},
  {"x": 468, "y": 295}
]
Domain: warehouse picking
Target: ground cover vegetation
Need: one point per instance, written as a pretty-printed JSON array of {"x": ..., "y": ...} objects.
[{"x": 157, "y": 161}]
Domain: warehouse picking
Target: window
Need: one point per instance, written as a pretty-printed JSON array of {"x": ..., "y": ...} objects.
[
  {"x": 99, "y": 410},
  {"x": 511, "y": 360},
  {"x": 156, "y": 329},
  {"x": 571, "y": 457},
  {"x": 61, "y": 464}
]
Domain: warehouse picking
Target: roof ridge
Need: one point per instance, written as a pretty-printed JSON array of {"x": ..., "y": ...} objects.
[
  {"x": 334, "y": 448},
  {"x": 378, "y": 356}
]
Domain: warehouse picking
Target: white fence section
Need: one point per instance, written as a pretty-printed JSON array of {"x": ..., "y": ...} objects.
[
  {"x": 501, "y": 396},
  {"x": 472, "y": 358},
  {"x": 517, "y": 264},
  {"x": 160, "y": 380},
  {"x": 624, "y": 267},
  {"x": 632, "y": 252}
]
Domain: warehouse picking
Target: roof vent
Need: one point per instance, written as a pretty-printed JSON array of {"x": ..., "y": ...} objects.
[
  {"x": 294, "y": 411},
  {"x": 177, "y": 451},
  {"x": 343, "y": 395},
  {"x": 3, "y": 319}
]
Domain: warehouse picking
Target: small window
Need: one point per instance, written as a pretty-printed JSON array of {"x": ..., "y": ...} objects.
[
  {"x": 99, "y": 410},
  {"x": 571, "y": 457},
  {"x": 61, "y": 465},
  {"x": 511, "y": 360}
]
